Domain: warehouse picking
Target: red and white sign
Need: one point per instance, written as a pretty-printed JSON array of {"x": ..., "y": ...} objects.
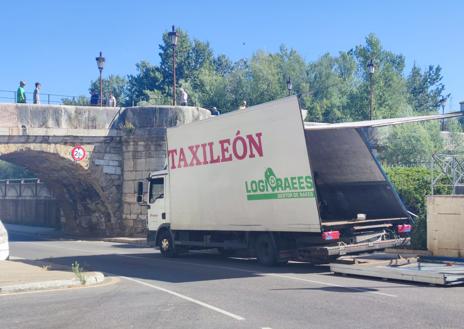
[{"x": 78, "y": 153}]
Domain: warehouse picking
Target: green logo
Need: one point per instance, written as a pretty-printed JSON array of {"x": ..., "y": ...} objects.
[{"x": 273, "y": 187}]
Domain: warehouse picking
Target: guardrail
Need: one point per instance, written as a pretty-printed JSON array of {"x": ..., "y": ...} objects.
[
  {"x": 9, "y": 96},
  {"x": 23, "y": 188}
]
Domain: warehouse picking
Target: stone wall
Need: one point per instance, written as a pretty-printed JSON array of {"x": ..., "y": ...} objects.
[
  {"x": 96, "y": 196},
  {"x": 144, "y": 151}
]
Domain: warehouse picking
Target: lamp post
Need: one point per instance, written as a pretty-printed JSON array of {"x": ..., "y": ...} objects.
[
  {"x": 371, "y": 69},
  {"x": 442, "y": 103},
  {"x": 173, "y": 35},
  {"x": 289, "y": 86},
  {"x": 100, "y": 63}
]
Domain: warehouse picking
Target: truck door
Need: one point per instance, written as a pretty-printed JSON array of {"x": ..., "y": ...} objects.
[{"x": 157, "y": 211}]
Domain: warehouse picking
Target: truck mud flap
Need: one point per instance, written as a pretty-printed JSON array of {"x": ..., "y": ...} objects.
[{"x": 324, "y": 253}]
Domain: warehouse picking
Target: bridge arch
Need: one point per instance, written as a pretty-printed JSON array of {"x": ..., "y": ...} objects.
[{"x": 85, "y": 206}]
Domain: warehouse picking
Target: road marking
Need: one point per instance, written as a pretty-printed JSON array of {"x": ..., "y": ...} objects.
[
  {"x": 244, "y": 271},
  {"x": 192, "y": 300},
  {"x": 331, "y": 284},
  {"x": 274, "y": 275}
]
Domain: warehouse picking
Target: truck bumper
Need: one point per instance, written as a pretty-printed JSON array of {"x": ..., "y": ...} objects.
[{"x": 326, "y": 252}]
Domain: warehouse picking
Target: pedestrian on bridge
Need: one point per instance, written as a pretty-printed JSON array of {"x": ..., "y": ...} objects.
[
  {"x": 36, "y": 97},
  {"x": 111, "y": 102},
  {"x": 21, "y": 93}
]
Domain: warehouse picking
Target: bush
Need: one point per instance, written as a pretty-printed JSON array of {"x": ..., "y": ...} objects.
[
  {"x": 10, "y": 171},
  {"x": 413, "y": 184}
]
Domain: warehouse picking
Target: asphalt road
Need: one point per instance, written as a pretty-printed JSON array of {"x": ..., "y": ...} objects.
[{"x": 206, "y": 291}]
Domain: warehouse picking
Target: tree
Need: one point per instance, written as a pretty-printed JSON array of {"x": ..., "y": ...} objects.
[
  {"x": 389, "y": 84},
  {"x": 11, "y": 171},
  {"x": 332, "y": 85},
  {"x": 115, "y": 84},
  {"x": 411, "y": 144},
  {"x": 425, "y": 88},
  {"x": 76, "y": 101},
  {"x": 148, "y": 79}
]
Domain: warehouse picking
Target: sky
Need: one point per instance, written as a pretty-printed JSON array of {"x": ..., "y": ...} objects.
[{"x": 56, "y": 42}]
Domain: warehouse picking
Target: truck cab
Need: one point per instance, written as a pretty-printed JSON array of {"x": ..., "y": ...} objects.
[{"x": 157, "y": 203}]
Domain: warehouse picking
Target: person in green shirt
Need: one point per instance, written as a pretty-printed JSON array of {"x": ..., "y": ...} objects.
[{"x": 21, "y": 94}]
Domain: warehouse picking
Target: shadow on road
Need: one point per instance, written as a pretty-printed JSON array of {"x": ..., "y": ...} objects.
[{"x": 189, "y": 268}]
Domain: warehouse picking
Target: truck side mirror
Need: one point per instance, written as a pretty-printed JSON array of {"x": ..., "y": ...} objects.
[{"x": 139, "y": 192}]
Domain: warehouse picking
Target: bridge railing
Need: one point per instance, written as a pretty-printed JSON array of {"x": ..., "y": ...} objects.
[
  {"x": 9, "y": 96},
  {"x": 24, "y": 188}
]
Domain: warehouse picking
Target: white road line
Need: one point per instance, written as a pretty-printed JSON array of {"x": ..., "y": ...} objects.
[
  {"x": 192, "y": 300},
  {"x": 331, "y": 284},
  {"x": 244, "y": 271},
  {"x": 275, "y": 275}
]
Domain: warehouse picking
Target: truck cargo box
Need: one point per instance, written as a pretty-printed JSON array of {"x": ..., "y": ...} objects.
[{"x": 259, "y": 170}]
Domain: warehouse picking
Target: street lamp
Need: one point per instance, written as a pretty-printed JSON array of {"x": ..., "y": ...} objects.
[
  {"x": 289, "y": 86},
  {"x": 100, "y": 63},
  {"x": 173, "y": 35},
  {"x": 442, "y": 103},
  {"x": 371, "y": 70}
]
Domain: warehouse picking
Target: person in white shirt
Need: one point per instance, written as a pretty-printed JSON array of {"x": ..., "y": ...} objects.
[
  {"x": 243, "y": 106},
  {"x": 183, "y": 97},
  {"x": 111, "y": 100},
  {"x": 36, "y": 95}
]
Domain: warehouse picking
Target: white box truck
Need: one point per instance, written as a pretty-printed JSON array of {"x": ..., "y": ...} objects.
[{"x": 263, "y": 183}]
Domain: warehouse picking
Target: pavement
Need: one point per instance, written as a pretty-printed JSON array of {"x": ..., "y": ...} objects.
[
  {"x": 207, "y": 291},
  {"x": 22, "y": 275}
]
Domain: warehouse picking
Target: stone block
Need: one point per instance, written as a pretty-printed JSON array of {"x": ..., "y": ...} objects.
[
  {"x": 141, "y": 164},
  {"x": 129, "y": 187},
  {"x": 112, "y": 157},
  {"x": 128, "y": 165},
  {"x": 128, "y": 223},
  {"x": 112, "y": 170}
]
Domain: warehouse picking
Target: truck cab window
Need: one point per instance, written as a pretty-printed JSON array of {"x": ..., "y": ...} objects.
[{"x": 156, "y": 189}]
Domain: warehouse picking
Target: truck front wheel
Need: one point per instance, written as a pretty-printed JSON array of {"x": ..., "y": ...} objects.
[
  {"x": 266, "y": 250},
  {"x": 166, "y": 244}
]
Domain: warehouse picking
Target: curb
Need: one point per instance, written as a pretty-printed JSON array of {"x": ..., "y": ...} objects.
[
  {"x": 142, "y": 242},
  {"x": 91, "y": 279}
]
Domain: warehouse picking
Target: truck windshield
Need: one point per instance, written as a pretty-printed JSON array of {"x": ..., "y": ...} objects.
[{"x": 156, "y": 189}]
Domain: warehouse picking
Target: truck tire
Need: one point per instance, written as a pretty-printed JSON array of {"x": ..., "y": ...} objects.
[
  {"x": 166, "y": 244},
  {"x": 266, "y": 250}
]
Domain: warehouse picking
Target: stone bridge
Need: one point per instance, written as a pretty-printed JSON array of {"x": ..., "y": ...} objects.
[{"x": 96, "y": 195}]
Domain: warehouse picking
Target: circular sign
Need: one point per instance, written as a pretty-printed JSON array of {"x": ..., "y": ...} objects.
[{"x": 78, "y": 153}]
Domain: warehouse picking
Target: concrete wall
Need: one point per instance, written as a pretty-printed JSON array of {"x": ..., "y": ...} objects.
[
  {"x": 28, "y": 202},
  {"x": 445, "y": 225},
  {"x": 38, "y": 212}
]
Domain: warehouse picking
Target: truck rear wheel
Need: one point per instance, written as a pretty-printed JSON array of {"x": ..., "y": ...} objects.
[
  {"x": 166, "y": 244},
  {"x": 266, "y": 250}
]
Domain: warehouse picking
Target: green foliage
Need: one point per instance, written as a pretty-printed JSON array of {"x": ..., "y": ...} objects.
[
  {"x": 78, "y": 272},
  {"x": 11, "y": 171},
  {"x": 115, "y": 84},
  {"x": 413, "y": 185},
  {"x": 410, "y": 144},
  {"x": 148, "y": 79},
  {"x": 425, "y": 88},
  {"x": 333, "y": 88},
  {"x": 76, "y": 101}
]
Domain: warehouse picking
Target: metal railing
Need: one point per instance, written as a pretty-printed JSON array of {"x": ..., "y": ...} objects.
[
  {"x": 24, "y": 188},
  {"x": 9, "y": 96}
]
